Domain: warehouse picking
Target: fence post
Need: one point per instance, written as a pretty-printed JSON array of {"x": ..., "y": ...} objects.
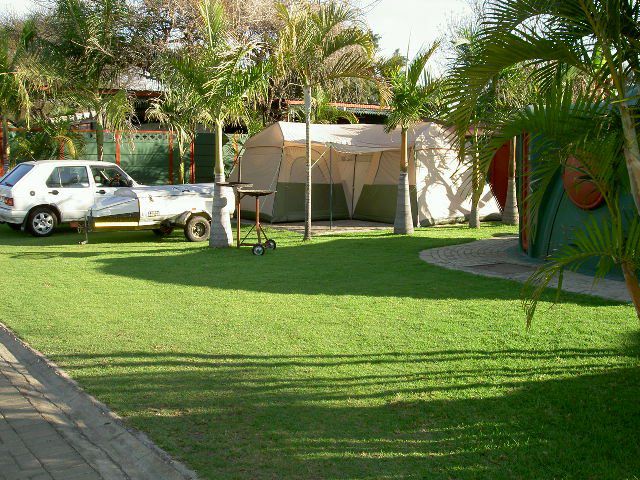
[
  {"x": 117, "y": 138},
  {"x": 60, "y": 150},
  {"x": 192, "y": 164},
  {"x": 170, "y": 158}
]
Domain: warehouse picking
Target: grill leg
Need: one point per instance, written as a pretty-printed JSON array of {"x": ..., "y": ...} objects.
[
  {"x": 258, "y": 218},
  {"x": 238, "y": 215}
]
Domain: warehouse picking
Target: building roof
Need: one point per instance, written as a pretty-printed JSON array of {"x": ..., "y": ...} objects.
[{"x": 356, "y": 108}]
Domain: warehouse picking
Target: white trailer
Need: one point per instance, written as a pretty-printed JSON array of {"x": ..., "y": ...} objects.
[{"x": 160, "y": 209}]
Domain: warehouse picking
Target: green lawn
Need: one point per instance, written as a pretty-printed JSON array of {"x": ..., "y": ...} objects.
[{"x": 345, "y": 358}]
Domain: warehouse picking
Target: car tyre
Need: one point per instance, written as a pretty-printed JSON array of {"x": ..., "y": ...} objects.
[
  {"x": 197, "y": 229},
  {"x": 163, "y": 231},
  {"x": 42, "y": 222}
]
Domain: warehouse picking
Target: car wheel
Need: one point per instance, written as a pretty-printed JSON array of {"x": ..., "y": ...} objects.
[
  {"x": 42, "y": 222},
  {"x": 197, "y": 229},
  {"x": 163, "y": 231},
  {"x": 15, "y": 226}
]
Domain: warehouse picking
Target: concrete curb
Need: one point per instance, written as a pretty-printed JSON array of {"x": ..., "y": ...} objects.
[{"x": 109, "y": 438}]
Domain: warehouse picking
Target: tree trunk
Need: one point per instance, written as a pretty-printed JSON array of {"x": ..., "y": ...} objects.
[
  {"x": 403, "y": 224},
  {"x": 631, "y": 152},
  {"x": 631, "y": 279},
  {"x": 181, "y": 179},
  {"x": 307, "y": 116},
  {"x": 476, "y": 191},
  {"x": 5, "y": 157},
  {"x": 219, "y": 160},
  {"x": 510, "y": 215},
  {"x": 99, "y": 137}
]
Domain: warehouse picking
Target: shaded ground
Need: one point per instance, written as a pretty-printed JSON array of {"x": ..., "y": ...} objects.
[{"x": 347, "y": 358}]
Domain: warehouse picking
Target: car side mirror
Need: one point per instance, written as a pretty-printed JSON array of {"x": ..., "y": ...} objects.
[{"x": 129, "y": 182}]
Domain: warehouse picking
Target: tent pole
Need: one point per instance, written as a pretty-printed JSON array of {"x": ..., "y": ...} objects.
[{"x": 330, "y": 188}]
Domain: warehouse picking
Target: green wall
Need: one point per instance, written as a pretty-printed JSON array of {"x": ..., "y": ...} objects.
[
  {"x": 559, "y": 219},
  {"x": 145, "y": 155}
]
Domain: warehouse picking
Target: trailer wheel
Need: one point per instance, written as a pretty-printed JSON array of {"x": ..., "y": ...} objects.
[
  {"x": 197, "y": 229},
  {"x": 270, "y": 244},
  {"x": 258, "y": 250},
  {"x": 163, "y": 231}
]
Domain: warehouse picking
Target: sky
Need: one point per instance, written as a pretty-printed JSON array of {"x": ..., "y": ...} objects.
[{"x": 403, "y": 24}]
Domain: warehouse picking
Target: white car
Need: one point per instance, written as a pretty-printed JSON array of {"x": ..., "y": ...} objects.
[{"x": 38, "y": 196}]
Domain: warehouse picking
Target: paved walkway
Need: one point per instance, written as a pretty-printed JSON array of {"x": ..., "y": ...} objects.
[
  {"x": 501, "y": 258},
  {"x": 339, "y": 227},
  {"x": 51, "y": 429}
]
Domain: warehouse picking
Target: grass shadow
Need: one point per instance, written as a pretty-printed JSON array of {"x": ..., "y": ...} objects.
[{"x": 517, "y": 413}]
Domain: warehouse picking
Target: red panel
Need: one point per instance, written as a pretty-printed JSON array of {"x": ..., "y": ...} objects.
[
  {"x": 192, "y": 164},
  {"x": 499, "y": 175},
  {"x": 170, "y": 159},
  {"x": 524, "y": 224},
  {"x": 582, "y": 191},
  {"x": 117, "y": 138}
]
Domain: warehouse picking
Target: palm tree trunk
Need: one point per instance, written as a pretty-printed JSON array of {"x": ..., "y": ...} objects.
[
  {"x": 403, "y": 224},
  {"x": 99, "y": 137},
  {"x": 5, "y": 158},
  {"x": 631, "y": 152},
  {"x": 510, "y": 216},
  {"x": 219, "y": 160},
  {"x": 474, "y": 215},
  {"x": 307, "y": 116},
  {"x": 631, "y": 279}
]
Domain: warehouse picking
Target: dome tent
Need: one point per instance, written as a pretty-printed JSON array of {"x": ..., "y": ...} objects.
[{"x": 355, "y": 174}]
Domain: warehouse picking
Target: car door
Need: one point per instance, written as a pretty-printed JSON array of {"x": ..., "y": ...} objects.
[
  {"x": 68, "y": 188},
  {"x": 107, "y": 179}
]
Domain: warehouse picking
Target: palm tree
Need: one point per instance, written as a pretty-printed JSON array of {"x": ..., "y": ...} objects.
[
  {"x": 322, "y": 111},
  {"x": 49, "y": 140},
  {"x": 508, "y": 90},
  {"x": 412, "y": 96},
  {"x": 595, "y": 39},
  {"x": 317, "y": 46},
  {"x": 91, "y": 45},
  {"x": 214, "y": 82},
  {"x": 571, "y": 122},
  {"x": 177, "y": 111},
  {"x": 20, "y": 76}
]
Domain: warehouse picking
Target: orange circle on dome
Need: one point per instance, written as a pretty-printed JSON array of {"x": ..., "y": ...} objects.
[{"x": 580, "y": 189}]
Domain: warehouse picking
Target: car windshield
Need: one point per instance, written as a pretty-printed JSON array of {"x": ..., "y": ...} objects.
[
  {"x": 15, "y": 175},
  {"x": 110, "y": 176}
]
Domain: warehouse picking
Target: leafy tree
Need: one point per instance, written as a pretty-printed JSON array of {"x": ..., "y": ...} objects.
[
  {"x": 317, "y": 46},
  {"x": 20, "y": 78},
  {"x": 92, "y": 45},
  {"x": 213, "y": 82},
  {"x": 413, "y": 92},
  {"x": 595, "y": 39}
]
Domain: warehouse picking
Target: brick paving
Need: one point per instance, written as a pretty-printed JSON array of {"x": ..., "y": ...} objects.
[
  {"x": 500, "y": 257},
  {"x": 51, "y": 430}
]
